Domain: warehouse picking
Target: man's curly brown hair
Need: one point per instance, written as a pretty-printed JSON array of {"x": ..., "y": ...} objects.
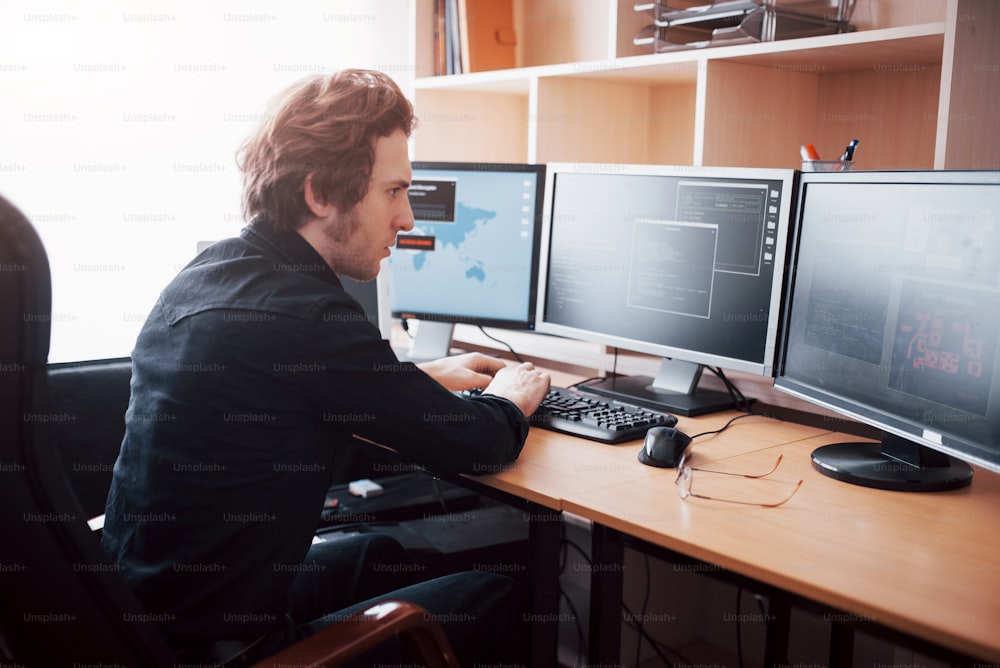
[{"x": 325, "y": 126}]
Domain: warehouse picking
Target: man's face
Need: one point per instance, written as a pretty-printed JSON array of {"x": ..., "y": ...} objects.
[{"x": 384, "y": 212}]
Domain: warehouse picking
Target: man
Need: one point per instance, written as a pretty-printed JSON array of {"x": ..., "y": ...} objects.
[{"x": 255, "y": 371}]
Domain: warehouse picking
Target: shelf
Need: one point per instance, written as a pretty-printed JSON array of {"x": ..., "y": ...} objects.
[
  {"x": 909, "y": 82},
  {"x": 497, "y": 81},
  {"x": 907, "y": 45},
  {"x": 741, "y": 104},
  {"x": 910, "y": 45}
]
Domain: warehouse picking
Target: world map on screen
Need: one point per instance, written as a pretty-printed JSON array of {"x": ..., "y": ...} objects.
[
  {"x": 452, "y": 239},
  {"x": 471, "y": 249}
]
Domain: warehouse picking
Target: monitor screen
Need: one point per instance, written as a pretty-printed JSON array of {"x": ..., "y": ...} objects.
[
  {"x": 472, "y": 256},
  {"x": 685, "y": 263},
  {"x": 893, "y": 319}
]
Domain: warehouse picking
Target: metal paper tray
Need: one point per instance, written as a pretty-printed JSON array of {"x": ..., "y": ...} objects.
[
  {"x": 834, "y": 11},
  {"x": 741, "y": 22}
]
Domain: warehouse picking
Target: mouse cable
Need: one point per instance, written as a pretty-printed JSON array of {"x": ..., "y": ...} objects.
[
  {"x": 726, "y": 426},
  {"x": 503, "y": 343}
]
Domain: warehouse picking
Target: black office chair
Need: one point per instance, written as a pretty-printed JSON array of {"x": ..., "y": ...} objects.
[{"x": 62, "y": 601}]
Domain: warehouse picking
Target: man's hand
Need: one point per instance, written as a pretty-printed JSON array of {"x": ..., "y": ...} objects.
[
  {"x": 523, "y": 384},
  {"x": 463, "y": 372}
]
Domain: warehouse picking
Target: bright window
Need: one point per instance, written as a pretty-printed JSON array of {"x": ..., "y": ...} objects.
[{"x": 119, "y": 123}]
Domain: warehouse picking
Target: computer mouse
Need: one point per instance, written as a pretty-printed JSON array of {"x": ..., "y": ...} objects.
[{"x": 663, "y": 447}]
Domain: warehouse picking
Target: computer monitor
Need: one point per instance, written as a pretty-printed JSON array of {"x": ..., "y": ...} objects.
[
  {"x": 472, "y": 256},
  {"x": 370, "y": 295},
  {"x": 685, "y": 263},
  {"x": 893, "y": 320}
]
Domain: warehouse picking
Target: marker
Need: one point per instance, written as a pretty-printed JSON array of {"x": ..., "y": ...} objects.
[{"x": 808, "y": 152}]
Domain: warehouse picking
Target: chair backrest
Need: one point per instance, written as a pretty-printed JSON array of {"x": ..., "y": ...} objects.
[
  {"x": 63, "y": 602},
  {"x": 88, "y": 400}
]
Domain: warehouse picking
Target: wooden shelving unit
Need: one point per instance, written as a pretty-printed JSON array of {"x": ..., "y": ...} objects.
[{"x": 917, "y": 83}]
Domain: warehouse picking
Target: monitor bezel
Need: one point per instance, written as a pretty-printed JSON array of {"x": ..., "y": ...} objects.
[
  {"x": 526, "y": 323},
  {"x": 766, "y": 366},
  {"x": 885, "y": 420}
]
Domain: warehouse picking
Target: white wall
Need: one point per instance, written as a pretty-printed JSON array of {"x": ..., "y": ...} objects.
[{"x": 119, "y": 123}]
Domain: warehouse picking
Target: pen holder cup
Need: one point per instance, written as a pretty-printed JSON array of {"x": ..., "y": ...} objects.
[{"x": 826, "y": 165}]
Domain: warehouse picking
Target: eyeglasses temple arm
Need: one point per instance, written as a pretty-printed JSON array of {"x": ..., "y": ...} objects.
[
  {"x": 786, "y": 499},
  {"x": 744, "y": 475}
]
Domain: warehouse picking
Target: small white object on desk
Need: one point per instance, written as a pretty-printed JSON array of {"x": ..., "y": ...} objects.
[{"x": 364, "y": 488}]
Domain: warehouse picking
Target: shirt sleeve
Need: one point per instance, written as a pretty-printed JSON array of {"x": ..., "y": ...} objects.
[{"x": 361, "y": 387}]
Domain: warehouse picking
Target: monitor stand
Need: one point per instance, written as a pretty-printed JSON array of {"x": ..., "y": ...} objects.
[
  {"x": 431, "y": 342},
  {"x": 896, "y": 463},
  {"x": 673, "y": 390}
]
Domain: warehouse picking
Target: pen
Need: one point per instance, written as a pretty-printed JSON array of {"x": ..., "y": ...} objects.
[{"x": 849, "y": 151}]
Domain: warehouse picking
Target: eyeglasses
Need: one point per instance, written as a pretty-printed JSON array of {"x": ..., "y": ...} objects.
[{"x": 685, "y": 474}]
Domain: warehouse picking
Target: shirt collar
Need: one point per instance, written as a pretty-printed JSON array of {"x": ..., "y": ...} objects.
[{"x": 295, "y": 253}]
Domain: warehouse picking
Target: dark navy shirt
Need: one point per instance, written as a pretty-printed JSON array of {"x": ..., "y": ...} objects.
[{"x": 254, "y": 369}]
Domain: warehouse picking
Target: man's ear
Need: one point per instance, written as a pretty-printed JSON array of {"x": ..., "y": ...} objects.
[{"x": 317, "y": 204}]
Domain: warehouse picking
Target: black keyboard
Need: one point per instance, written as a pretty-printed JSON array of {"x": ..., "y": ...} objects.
[{"x": 587, "y": 416}]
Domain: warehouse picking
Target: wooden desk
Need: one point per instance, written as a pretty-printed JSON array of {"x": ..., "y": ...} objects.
[{"x": 925, "y": 564}]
